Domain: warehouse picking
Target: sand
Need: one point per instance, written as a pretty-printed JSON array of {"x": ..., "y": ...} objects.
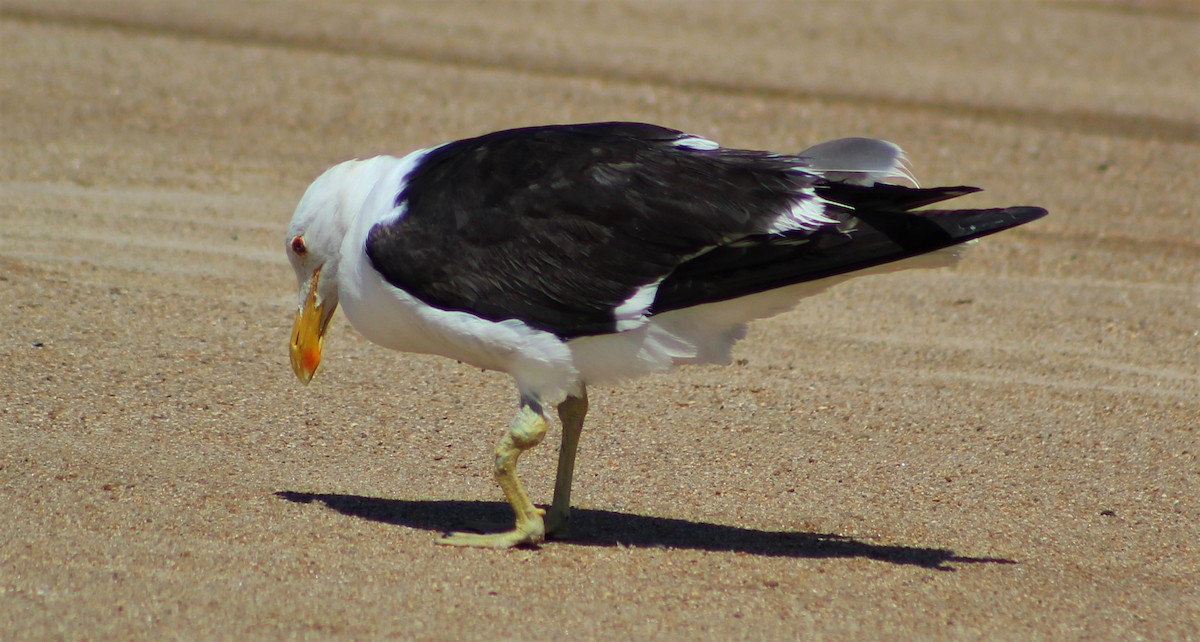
[{"x": 1005, "y": 450}]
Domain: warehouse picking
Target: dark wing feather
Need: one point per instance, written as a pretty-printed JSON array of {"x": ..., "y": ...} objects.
[
  {"x": 883, "y": 197},
  {"x": 866, "y": 238},
  {"x": 559, "y": 225}
]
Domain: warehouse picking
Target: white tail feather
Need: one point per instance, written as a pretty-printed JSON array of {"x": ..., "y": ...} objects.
[{"x": 859, "y": 161}]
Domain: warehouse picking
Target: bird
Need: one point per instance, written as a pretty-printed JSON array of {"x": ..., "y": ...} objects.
[{"x": 572, "y": 255}]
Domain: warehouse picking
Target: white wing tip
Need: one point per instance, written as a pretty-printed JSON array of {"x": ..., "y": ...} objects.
[{"x": 696, "y": 143}]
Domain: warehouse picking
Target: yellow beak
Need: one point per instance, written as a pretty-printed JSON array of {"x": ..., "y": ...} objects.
[{"x": 308, "y": 332}]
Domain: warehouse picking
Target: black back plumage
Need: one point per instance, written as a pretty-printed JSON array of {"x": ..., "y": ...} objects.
[{"x": 557, "y": 226}]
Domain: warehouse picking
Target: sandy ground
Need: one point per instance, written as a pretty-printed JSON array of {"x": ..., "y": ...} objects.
[{"x": 1004, "y": 450}]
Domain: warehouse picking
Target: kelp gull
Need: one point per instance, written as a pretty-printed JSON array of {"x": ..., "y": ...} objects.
[{"x": 568, "y": 255}]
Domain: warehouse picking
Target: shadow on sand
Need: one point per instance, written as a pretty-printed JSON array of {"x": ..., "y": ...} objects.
[{"x": 608, "y": 528}]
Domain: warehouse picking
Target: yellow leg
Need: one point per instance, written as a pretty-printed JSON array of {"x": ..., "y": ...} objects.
[
  {"x": 526, "y": 431},
  {"x": 571, "y": 412}
]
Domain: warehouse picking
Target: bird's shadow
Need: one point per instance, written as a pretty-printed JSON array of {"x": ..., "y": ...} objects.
[{"x": 610, "y": 528}]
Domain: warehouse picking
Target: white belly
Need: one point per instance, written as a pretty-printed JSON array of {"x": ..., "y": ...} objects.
[{"x": 392, "y": 318}]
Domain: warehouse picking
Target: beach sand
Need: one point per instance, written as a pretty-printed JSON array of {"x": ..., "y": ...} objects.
[{"x": 1007, "y": 449}]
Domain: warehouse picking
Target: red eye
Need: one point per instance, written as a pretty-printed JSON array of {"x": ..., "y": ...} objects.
[{"x": 298, "y": 246}]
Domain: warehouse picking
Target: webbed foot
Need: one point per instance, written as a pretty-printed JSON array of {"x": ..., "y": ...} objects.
[{"x": 530, "y": 533}]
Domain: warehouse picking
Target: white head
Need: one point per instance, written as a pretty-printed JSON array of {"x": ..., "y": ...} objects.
[{"x": 314, "y": 246}]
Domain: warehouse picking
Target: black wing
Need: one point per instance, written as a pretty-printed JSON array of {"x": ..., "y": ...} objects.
[
  {"x": 875, "y": 228},
  {"x": 557, "y": 226}
]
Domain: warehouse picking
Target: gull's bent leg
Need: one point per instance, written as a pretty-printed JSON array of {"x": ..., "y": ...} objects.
[
  {"x": 526, "y": 431},
  {"x": 571, "y": 412}
]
